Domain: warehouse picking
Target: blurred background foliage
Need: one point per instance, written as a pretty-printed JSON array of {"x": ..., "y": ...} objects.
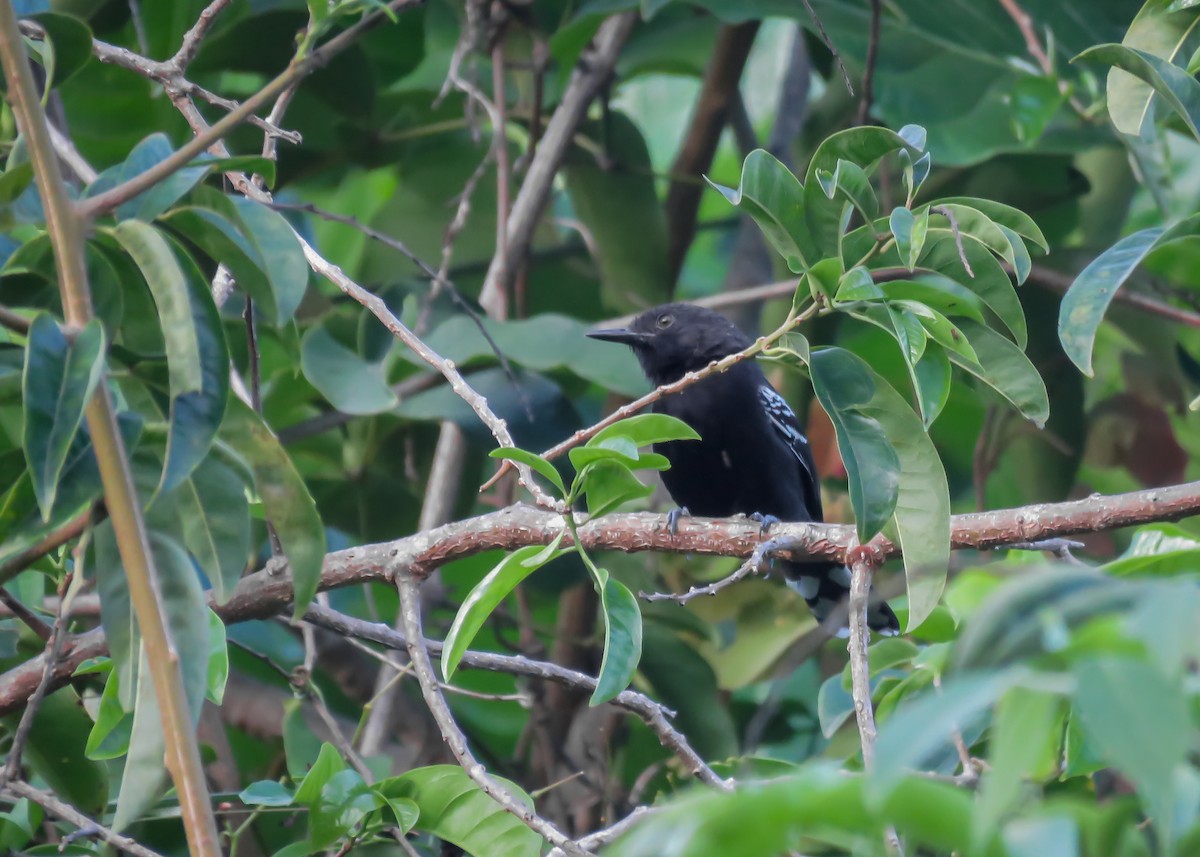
[{"x": 755, "y": 686}]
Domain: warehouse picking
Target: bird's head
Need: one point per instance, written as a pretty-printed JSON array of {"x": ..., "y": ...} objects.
[{"x": 673, "y": 339}]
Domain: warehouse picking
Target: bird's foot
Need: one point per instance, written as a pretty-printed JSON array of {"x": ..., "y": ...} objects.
[
  {"x": 673, "y": 517},
  {"x": 765, "y": 521}
]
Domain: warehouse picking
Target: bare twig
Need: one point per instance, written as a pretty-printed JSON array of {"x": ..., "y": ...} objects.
[
  {"x": 837, "y": 58},
  {"x": 751, "y": 566},
  {"x": 656, "y": 716},
  {"x": 611, "y": 833},
  {"x": 1033, "y": 44},
  {"x": 66, "y": 591},
  {"x": 28, "y": 618},
  {"x": 868, "y": 84},
  {"x": 14, "y": 565},
  {"x": 193, "y": 37},
  {"x": 862, "y": 563},
  {"x": 71, "y": 815},
  {"x": 410, "y": 608},
  {"x": 592, "y": 72}
]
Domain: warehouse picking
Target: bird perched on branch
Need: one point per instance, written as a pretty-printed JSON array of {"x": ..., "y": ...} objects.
[{"x": 752, "y": 457}]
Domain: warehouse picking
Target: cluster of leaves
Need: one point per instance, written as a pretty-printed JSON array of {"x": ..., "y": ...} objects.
[
  {"x": 932, "y": 276},
  {"x": 1057, "y": 674}
]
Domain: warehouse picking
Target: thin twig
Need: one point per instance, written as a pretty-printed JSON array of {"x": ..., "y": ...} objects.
[
  {"x": 1033, "y": 44},
  {"x": 192, "y": 38},
  {"x": 868, "y": 85},
  {"x": 28, "y": 618},
  {"x": 751, "y": 566},
  {"x": 70, "y": 585},
  {"x": 611, "y": 833},
  {"x": 837, "y": 58},
  {"x": 71, "y": 815},
  {"x": 418, "y": 653}
]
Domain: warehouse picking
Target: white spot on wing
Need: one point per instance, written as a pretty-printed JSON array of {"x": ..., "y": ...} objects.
[{"x": 725, "y": 459}]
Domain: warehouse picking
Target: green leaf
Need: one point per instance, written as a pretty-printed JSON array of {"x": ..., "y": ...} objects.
[
  {"x": 55, "y": 751},
  {"x": 910, "y": 232},
  {"x": 266, "y": 793},
  {"x": 197, "y": 359},
  {"x": 221, "y": 236},
  {"x": 145, "y": 771},
  {"x": 345, "y": 801},
  {"x": 622, "y": 639},
  {"x": 1087, "y": 299},
  {"x": 940, "y": 329},
  {"x": 535, "y": 461},
  {"x": 828, "y": 200},
  {"x": 645, "y": 429},
  {"x": 59, "y": 378},
  {"x": 328, "y": 763},
  {"x": 922, "y": 728},
  {"x": 608, "y": 484},
  {"x": 1139, "y": 721},
  {"x": 14, "y": 181},
  {"x": 1005, "y": 368},
  {"x": 151, "y": 203},
  {"x": 1003, "y": 215},
  {"x": 1176, "y": 87},
  {"x": 990, "y": 281},
  {"x": 922, "y": 507},
  {"x": 452, "y": 807},
  {"x": 288, "y": 505},
  {"x": 843, "y": 385},
  {"x": 1001, "y": 240},
  {"x": 218, "y": 660},
  {"x": 279, "y": 253},
  {"x": 72, "y": 45},
  {"x": 486, "y": 596},
  {"x": 351, "y": 384},
  {"x": 775, "y": 199},
  {"x": 215, "y": 517},
  {"x": 405, "y": 811},
  {"x": 931, "y": 383},
  {"x": 1023, "y": 746}
]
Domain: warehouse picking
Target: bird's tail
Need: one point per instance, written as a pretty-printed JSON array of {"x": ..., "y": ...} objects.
[{"x": 825, "y": 588}]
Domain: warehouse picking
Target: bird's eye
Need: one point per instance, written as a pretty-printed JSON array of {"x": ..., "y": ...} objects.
[{"x": 665, "y": 321}]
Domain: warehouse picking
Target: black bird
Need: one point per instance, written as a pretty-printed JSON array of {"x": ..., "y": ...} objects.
[{"x": 752, "y": 458}]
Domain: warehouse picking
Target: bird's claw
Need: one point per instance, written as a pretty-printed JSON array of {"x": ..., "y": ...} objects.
[
  {"x": 673, "y": 517},
  {"x": 765, "y": 521}
]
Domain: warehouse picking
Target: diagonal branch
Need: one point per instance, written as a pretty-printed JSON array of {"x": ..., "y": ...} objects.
[{"x": 410, "y": 608}]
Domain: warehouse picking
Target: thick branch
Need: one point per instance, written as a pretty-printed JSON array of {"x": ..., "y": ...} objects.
[{"x": 266, "y": 593}]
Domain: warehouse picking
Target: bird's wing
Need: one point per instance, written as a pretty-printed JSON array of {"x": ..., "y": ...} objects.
[{"x": 783, "y": 421}]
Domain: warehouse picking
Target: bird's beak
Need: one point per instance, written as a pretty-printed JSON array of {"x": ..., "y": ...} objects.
[{"x": 620, "y": 334}]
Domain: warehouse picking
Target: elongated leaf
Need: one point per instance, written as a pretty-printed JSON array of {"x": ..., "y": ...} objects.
[
  {"x": 940, "y": 329},
  {"x": 828, "y": 200},
  {"x": 350, "y": 383},
  {"x": 931, "y": 382},
  {"x": 1025, "y": 736},
  {"x": 1004, "y": 215},
  {"x": 145, "y": 772},
  {"x": 216, "y": 523},
  {"x": 990, "y": 281},
  {"x": 1005, "y": 368},
  {"x": 279, "y": 253},
  {"x": 1001, "y": 240},
  {"x": 608, "y": 483},
  {"x": 58, "y": 381},
  {"x": 486, "y": 596},
  {"x": 622, "y": 639},
  {"x": 1157, "y": 30},
  {"x": 286, "y": 501},
  {"x": 452, "y": 807},
  {"x": 910, "y": 232},
  {"x": 922, "y": 504},
  {"x": 645, "y": 429},
  {"x": 1087, "y": 299},
  {"x": 1139, "y": 721},
  {"x": 1178, "y": 88},
  {"x": 151, "y": 203},
  {"x": 770, "y": 194},
  {"x": 197, "y": 358},
  {"x": 843, "y": 386},
  {"x": 539, "y": 464},
  {"x": 223, "y": 241}
]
